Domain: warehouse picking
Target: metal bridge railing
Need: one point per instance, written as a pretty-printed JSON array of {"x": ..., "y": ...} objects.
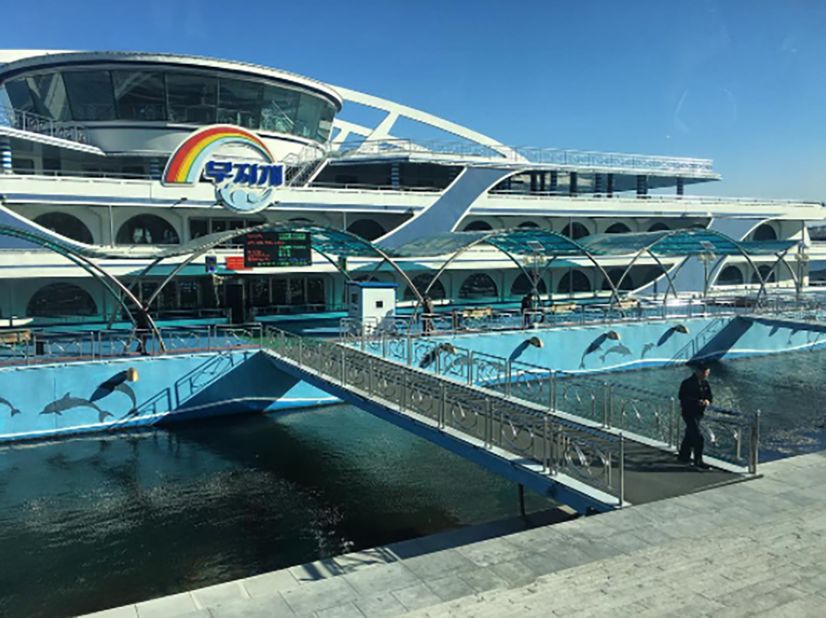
[
  {"x": 732, "y": 435},
  {"x": 558, "y": 446},
  {"x": 27, "y": 347}
]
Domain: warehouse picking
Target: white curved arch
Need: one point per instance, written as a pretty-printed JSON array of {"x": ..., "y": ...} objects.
[{"x": 397, "y": 110}]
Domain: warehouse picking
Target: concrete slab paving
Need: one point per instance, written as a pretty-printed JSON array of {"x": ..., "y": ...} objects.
[{"x": 744, "y": 549}]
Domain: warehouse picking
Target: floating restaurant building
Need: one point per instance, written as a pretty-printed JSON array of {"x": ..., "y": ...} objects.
[{"x": 134, "y": 158}]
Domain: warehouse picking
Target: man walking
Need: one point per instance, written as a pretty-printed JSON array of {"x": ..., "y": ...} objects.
[{"x": 695, "y": 397}]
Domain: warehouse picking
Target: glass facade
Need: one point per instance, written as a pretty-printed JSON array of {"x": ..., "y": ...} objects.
[{"x": 154, "y": 95}]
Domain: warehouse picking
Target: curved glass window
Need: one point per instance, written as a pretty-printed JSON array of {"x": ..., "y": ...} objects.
[
  {"x": 730, "y": 275},
  {"x": 574, "y": 281},
  {"x": 91, "y": 96},
  {"x": 65, "y": 225},
  {"x": 239, "y": 102},
  {"x": 575, "y": 230},
  {"x": 61, "y": 299},
  {"x": 477, "y": 226},
  {"x": 139, "y": 95},
  {"x": 437, "y": 292},
  {"x": 191, "y": 98},
  {"x": 522, "y": 286},
  {"x": 177, "y": 96},
  {"x": 659, "y": 227},
  {"x": 147, "y": 230},
  {"x": 618, "y": 228},
  {"x": 767, "y": 274},
  {"x": 366, "y": 228},
  {"x": 477, "y": 287},
  {"x": 764, "y": 232}
]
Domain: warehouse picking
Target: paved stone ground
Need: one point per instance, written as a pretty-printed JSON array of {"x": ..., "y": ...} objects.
[{"x": 751, "y": 548}]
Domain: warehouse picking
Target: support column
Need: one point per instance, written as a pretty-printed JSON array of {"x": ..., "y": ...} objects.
[
  {"x": 533, "y": 182},
  {"x": 155, "y": 168},
  {"x": 598, "y": 188},
  {"x": 554, "y": 185},
  {"x": 680, "y": 186},
  {"x": 395, "y": 175},
  {"x": 609, "y": 185},
  {"x": 572, "y": 186},
  {"x": 5, "y": 156},
  {"x": 642, "y": 185}
]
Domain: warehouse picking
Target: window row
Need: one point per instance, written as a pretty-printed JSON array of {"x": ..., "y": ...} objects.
[{"x": 156, "y": 95}]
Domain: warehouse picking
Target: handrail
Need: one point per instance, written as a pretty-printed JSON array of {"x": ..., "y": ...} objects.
[
  {"x": 612, "y": 405},
  {"x": 36, "y": 123},
  {"x": 588, "y": 454},
  {"x": 520, "y": 155},
  {"x": 29, "y": 347}
]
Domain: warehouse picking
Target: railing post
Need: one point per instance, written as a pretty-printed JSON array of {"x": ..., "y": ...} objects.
[
  {"x": 621, "y": 470},
  {"x": 508, "y": 376},
  {"x": 755, "y": 438},
  {"x": 470, "y": 360},
  {"x": 442, "y": 404},
  {"x": 370, "y": 376},
  {"x": 552, "y": 391},
  {"x": 301, "y": 351},
  {"x": 606, "y": 405},
  {"x": 488, "y": 423},
  {"x": 343, "y": 368},
  {"x": 409, "y": 351},
  {"x": 546, "y": 447}
]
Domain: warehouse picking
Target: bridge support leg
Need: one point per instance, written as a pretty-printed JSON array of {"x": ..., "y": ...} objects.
[{"x": 522, "y": 500}]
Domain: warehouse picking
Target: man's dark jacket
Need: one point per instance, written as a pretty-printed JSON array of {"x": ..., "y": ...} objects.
[{"x": 692, "y": 392}]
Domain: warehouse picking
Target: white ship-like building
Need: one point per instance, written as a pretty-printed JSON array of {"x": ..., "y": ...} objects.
[{"x": 87, "y": 158}]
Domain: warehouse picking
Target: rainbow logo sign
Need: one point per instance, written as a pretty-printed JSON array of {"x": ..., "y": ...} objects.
[{"x": 240, "y": 186}]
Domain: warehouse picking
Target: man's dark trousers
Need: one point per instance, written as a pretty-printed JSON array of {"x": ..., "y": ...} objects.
[{"x": 693, "y": 439}]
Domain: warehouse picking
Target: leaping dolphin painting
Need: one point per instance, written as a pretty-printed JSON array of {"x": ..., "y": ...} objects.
[
  {"x": 117, "y": 383},
  {"x": 5, "y": 402},
  {"x": 67, "y": 402}
]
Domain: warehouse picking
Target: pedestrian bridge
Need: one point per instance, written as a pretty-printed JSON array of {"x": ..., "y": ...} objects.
[{"x": 584, "y": 443}]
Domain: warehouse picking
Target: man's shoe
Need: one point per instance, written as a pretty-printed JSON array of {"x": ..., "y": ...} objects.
[
  {"x": 685, "y": 460},
  {"x": 701, "y": 465}
]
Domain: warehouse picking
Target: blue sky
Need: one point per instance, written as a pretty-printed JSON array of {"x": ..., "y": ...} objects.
[{"x": 740, "y": 81}]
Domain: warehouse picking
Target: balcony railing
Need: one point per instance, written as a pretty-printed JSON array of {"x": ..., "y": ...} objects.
[
  {"x": 520, "y": 155},
  {"x": 35, "y": 123}
]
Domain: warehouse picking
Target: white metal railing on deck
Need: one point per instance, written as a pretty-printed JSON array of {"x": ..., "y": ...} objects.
[
  {"x": 29, "y": 121},
  {"x": 562, "y": 158}
]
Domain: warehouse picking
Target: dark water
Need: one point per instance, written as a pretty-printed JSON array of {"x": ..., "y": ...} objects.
[
  {"x": 788, "y": 389},
  {"x": 98, "y": 522}
]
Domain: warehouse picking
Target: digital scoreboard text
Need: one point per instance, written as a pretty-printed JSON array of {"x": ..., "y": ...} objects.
[{"x": 277, "y": 249}]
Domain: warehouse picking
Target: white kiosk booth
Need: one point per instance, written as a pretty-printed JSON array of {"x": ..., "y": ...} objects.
[{"x": 371, "y": 302}]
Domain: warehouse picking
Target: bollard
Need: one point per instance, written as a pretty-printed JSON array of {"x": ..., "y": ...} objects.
[
  {"x": 755, "y": 438},
  {"x": 622, "y": 471}
]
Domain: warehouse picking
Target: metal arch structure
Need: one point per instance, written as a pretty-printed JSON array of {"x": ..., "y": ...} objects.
[
  {"x": 489, "y": 238},
  {"x": 223, "y": 237},
  {"x": 650, "y": 249},
  {"x": 396, "y": 111},
  {"x": 110, "y": 282}
]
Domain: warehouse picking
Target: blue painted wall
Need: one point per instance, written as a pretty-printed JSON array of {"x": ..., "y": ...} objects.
[
  {"x": 589, "y": 349},
  {"x": 49, "y": 400}
]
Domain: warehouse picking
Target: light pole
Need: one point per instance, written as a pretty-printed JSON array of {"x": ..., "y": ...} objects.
[
  {"x": 801, "y": 258},
  {"x": 706, "y": 257}
]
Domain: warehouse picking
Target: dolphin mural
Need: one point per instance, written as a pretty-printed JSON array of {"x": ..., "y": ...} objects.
[
  {"x": 67, "y": 402},
  {"x": 596, "y": 344},
  {"x": 116, "y": 384},
  {"x": 620, "y": 349},
  {"x": 646, "y": 349},
  {"x": 5, "y": 402}
]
